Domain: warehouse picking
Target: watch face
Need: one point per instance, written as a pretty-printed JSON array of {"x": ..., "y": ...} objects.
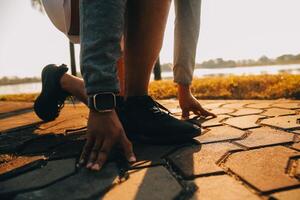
[{"x": 104, "y": 102}]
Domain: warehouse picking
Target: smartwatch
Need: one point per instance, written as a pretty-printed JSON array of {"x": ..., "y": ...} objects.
[{"x": 102, "y": 102}]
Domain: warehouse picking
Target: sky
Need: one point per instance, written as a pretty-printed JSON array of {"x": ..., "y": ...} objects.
[{"x": 231, "y": 29}]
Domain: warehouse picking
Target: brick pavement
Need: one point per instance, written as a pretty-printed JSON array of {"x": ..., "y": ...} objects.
[{"x": 251, "y": 151}]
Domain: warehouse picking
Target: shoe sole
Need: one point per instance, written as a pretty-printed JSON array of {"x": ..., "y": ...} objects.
[
  {"x": 164, "y": 140},
  {"x": 43, "y": 99}
]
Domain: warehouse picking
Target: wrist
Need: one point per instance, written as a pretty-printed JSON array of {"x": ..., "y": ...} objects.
[
  {"x": 92, "y": 110},
  {"x": 101, "y": 115},
  {"x": 184, "y": 90}
]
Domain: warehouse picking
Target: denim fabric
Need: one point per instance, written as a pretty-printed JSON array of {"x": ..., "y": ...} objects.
[
  {"x": 187, "y": 26},
  {"x": 101, "y": 29}
]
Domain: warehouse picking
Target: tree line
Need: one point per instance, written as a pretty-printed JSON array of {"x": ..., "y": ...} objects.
[
  {"x": 264, "y": 60},
  {"x": 16, "y": 80},
  {"x": 213, "y": 63}
]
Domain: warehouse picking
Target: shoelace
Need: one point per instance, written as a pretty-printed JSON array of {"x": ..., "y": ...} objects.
[
  {"x": 158, "y": 108},
  {"x": 61, "y": 105},
  {"x": 151, "y": 105},
  {"x": 61, "y": 102}
]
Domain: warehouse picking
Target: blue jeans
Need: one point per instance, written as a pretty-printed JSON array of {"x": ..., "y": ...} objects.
[
  {"x": 101, "y": 29},
  {"x": 187, "y": 26}
]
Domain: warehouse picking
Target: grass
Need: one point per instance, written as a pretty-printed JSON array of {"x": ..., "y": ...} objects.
[
  {"x": 235, "y": 87},
  {"x": 18, "y": 97},
  {"x": 228, "y": 87}
]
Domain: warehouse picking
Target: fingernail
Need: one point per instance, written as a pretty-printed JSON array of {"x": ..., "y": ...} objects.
[
  {"x": 79, "y": 164},
  {"x": 132, "y": 159},
  {"x": 81, "y": 161},
  {"x": 96, "y": 167},
  {"x": 89, "y": 165}
]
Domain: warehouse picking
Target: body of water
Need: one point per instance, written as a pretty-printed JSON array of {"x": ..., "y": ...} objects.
[
  {"x": 291, "y": 69},
  {"x": 21, "y": 88},
  {"x": 255, "y": 70}
]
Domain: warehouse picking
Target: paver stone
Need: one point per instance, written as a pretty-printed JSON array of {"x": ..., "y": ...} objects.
[
  {"x": 263, "y": 168},
  {"x": 244, "y": 122},
  {"x": 265, "y": 136},
  {"x": 220, "y": 133},
  {"x": 200, "y": 160},
  {"x": 150, "y": 183},
  {"x": 284, "y": 122},
  {"x": 221, "y": 187},
  {"x": 53, "y": 171}
]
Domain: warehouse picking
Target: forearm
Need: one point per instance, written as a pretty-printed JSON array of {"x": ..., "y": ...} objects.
[
  {"x": 100, "y": 35},
  {"x": 186, "y": 32},
  {"x": 183, "y": 91}
]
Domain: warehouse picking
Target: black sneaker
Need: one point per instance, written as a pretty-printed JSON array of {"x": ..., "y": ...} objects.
[
  {"x": 51, "y": 100},
  {"x": 144, "y": 121}
]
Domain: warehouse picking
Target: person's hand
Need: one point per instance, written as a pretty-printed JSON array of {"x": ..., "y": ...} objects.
[
  {"x": 188, "y": 103},
  {"x": 104, "y": 130}
]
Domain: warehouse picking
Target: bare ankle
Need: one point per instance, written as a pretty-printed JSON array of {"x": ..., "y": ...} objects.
[{"x": 64, "y": 82}]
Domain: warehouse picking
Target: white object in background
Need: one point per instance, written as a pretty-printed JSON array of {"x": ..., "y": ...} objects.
[{"x": 59, "y": 12}]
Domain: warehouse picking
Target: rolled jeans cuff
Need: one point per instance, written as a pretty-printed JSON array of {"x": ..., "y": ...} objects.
[
  {"x": 183, "y": 75},
  {"x": 108, "y": 83}
]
